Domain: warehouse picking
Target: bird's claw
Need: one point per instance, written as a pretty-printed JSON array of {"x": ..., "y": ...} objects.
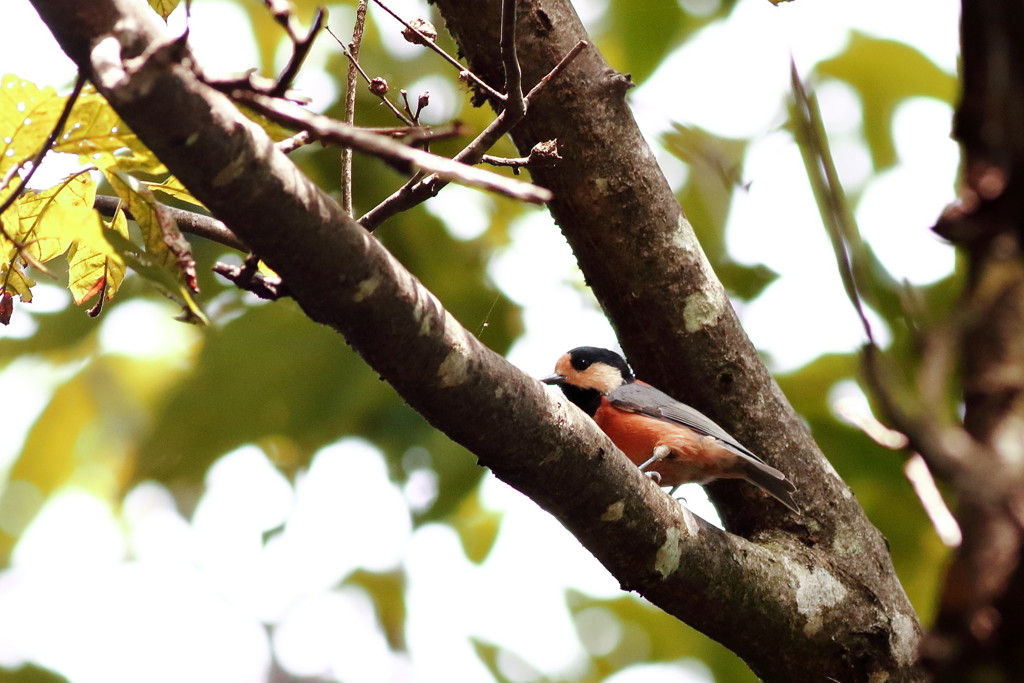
[
  {"x": 654, "y": 476},
  {"x": 660, "y": 453}
]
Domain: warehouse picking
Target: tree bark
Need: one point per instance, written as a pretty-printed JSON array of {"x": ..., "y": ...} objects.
[
  {"x": 640, "y": 256},
  {"x": 789, "y": 594},
  {"x": 980, "y": 625}
]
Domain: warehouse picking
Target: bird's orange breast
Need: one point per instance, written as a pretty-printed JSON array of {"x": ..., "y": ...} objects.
[{"x": 695, "y": 457}]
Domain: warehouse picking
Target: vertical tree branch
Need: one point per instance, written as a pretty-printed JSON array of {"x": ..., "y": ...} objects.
[
  {"x": 350, "y": 104},
  {"x": 980, "y": 626}
]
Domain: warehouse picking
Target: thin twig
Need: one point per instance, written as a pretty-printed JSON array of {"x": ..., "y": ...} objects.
[
  {"x": 188, "y": 221},
  {"x": 80, "y": 81},
  {"x": 401, "y": 156},
  {"x": 370, "y": 82},
  {"x": 249, "y": 278},
  {"x": 828, "y": 191},
  {"x": 429, "y": 42},
  {"x": 300, "y": 139},
  {"x": 11, "y": 172},
  {"x": 282, "y": 11},
  {"x": 417, "y": 191},
  {"x": 410, "y": 135},
  {"x": 923, "y": 483},
  {"x": 515, "y": 105},
  {"x": 299, "y": 53},
  {"x": 508, "y": 162},
  {"x": 350, "y": 105},
  {"x": 558, "y": 68}
]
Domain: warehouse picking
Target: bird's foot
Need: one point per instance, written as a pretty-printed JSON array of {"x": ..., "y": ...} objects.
[{"x": 660, "y": 453}]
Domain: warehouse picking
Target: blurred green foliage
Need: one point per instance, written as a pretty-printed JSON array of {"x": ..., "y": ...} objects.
[
  {"x": 29, "y": 674},
  {"x": 884, "y": 73},
  {"x": 264, "y": 374}
]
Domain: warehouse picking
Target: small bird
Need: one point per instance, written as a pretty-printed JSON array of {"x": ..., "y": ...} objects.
[{"x": 676, "y": 443}]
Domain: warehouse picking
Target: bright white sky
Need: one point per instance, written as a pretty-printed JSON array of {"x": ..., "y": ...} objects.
[{"x": 189, "y": 604}]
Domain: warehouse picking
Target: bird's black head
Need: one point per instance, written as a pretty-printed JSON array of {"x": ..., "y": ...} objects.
[
  {"x": 588, "y": 372},
  {"x": 584, "y": 358}
]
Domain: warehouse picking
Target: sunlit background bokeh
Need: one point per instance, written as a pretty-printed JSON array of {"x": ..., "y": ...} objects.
[{"x": 276, "y": 571}]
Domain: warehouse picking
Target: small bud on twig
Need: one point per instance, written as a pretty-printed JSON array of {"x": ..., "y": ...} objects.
[
  {"x": 424, "y": 27},
  {"x": 379, "y": 87}
]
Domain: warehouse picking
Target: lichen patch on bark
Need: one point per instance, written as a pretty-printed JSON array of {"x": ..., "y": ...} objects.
[
  {"x": 366, "y": 288},
  {"x": 613, "y": 512},
  {"x": 817, "y": 591},
  {"x": 666, "y": 560},
  {"x": 454, "y": 369}
]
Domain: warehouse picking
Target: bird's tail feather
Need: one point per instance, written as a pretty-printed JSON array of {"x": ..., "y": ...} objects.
[{"x": 772, "y": 482}]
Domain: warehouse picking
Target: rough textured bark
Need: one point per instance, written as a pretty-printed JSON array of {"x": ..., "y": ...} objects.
[
  {"x": 809, "y": 593},
  {"x": 641, "y": 258}
]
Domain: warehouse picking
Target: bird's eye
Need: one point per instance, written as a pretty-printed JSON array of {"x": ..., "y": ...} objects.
[{"x": 581, "y": 364}]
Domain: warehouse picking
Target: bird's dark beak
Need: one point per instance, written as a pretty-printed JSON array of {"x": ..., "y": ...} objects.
[{"x": 553, "y": 379}]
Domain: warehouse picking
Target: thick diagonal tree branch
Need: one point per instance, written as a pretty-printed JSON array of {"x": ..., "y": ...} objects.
[
  {"x": 640, "y": 255},
  {"x": 820, "y": 599}
]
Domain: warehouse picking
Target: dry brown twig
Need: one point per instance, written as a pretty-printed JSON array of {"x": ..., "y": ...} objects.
[
  {"x": 401, "y": 156},
  {"x": 377, "y": 86},
  {"x": 418, "y": 190},
  {"x": 423, "y": 38},
  {"x": 350, "y": 102}
]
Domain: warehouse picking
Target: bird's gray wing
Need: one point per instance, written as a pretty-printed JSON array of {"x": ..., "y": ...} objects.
[{"x": 644, "y": 399}]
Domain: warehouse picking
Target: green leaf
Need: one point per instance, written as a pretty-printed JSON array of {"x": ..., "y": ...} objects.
[
  {"x": 742, "y": 281},
  {"x": 647, "y": 634},
  {"x": 716, "y": 166},
  {"x": 641, "y": 35},
  {"x": 82, "y": 437},
  {"x": 884, "y": 73},
  {"x": 490, "y": 656},
  {"x": 476, "y": 526},
  {"x": 388, "y": 593},
  {"x": 30, "y": 673}
]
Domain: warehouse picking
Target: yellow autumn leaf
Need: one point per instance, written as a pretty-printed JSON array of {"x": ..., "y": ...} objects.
[
  {"x": 94, "y": 266},
  {"x": 98, "y": 136},
  {"x": 48, "y": 222},
  {"x": 27, "y": 116},
  {"x": 163, "y": 7},
  {"x": 163, "y": 241},
  {"x": 167, "y": 280},
  {"x": 14, "y": 281},
  {"x": 167, "y": 260},
  {"x": 9, "y": 221},
  {"x": 172, "y": 187}
]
